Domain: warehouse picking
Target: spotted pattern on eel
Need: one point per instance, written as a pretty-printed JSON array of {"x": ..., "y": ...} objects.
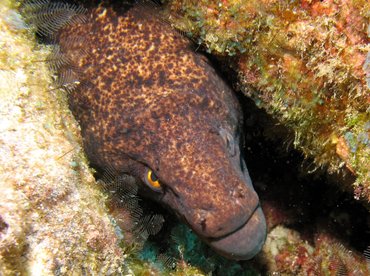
[{"x": 147, "y": 103}]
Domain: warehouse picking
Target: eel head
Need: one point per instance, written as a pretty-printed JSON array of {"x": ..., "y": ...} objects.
[{"x": 201, "y": 175}]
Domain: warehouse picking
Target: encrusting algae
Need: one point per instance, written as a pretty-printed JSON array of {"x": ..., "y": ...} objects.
[
  {"x": 52, "y": 216},
  {"x": 289, "y": 254},
  {"x": 304, "y": 62}
]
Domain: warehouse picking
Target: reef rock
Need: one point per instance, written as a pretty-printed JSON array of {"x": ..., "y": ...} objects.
[
  {"x": 304, "y": 62},
  {"x": 287, "y": 253},
  {"x": 52, "y": 216}
]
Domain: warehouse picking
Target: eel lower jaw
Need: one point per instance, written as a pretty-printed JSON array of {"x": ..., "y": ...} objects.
[{"x": 245, "y": 242}]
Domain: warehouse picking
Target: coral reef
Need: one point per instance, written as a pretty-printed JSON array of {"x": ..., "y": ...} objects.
[
  {"x": 288, "y": 254},
  {"x": 53, "y": 218},
  {"x": 305, "y": 62},
  {"x": 52, "y": 215}
]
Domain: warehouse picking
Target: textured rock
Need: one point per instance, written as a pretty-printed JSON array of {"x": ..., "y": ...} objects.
[
  {"x": 287, "y": 253},
  {"x": 304, "y": 62},
  {"x": 52, "y": 216}
]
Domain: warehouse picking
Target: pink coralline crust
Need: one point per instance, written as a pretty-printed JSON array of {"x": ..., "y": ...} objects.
[
  {"x": 290, "y": 254},
  {"x": 302, "y": 261}
]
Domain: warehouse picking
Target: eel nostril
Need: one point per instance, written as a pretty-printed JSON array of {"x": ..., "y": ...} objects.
[
  {"x": 203, "y": 224},
  {"x": 238, "y": 193}
]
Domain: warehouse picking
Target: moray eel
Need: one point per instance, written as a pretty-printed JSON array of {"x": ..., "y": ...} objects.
[{"x": 151, "y": 107}]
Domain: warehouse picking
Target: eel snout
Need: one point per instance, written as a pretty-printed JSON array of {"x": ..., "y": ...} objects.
[
  {"x": 245, "y": 242},
  {"x": 220, "y": 205},
  {"x": 235, "y": 227}
]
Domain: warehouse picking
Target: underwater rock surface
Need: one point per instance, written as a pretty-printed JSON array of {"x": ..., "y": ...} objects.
[
  {"x": 289, "y": 254},
  {"x": 52, "y": 217},
  {"x": 304, "y": 62}
]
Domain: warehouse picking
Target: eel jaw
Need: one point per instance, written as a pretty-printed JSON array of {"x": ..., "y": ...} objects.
[{"x": 245, "y": 242}]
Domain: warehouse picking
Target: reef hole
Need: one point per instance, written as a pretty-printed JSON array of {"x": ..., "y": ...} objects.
[
  {"x": 3, "y": 226},
  {"x": 308, "y": 202}
]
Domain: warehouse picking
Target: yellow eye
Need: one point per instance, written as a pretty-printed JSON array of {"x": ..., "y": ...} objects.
[{"x": 153, "y": 180}]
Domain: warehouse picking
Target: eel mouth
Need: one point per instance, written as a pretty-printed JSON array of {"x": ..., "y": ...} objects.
[{"x": 246, "y": 241}]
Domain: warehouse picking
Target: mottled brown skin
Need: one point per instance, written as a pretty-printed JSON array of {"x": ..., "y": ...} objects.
[{"x": 148, "y": 101}]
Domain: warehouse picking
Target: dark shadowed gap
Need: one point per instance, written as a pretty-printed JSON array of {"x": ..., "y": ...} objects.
[{"x": 281, "y": 177}]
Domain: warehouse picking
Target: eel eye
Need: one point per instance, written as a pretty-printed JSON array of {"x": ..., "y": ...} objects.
[{"x": 153, "y": 181}]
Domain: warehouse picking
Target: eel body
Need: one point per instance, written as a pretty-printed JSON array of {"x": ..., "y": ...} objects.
[{"x": 151, "y": 107}]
